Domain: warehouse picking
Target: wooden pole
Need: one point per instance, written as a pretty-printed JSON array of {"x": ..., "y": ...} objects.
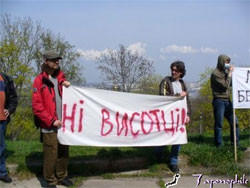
[{"x": 235, "y": 143}]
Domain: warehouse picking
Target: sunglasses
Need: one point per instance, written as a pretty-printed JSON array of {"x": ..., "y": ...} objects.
[
  {"x": 175, "y": 70},
  {"x": 53, "y": 60}
]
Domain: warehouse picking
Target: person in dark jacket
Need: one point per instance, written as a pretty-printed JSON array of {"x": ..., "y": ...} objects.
[
  {"x": 174, "y": 86},
  {"x": 47, "y": 108},
  {"x": 221, "y": 79},
  {"x": 8, "y": 104}
]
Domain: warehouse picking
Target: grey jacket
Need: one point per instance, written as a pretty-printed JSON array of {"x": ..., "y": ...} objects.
[{"x": 220, "y": 79}]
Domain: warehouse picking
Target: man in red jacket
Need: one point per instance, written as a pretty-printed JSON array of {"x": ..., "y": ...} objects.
[{"x": 47, "y": 108}]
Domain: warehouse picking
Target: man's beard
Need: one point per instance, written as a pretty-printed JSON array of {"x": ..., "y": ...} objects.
[{"x": 47, "y": 69}]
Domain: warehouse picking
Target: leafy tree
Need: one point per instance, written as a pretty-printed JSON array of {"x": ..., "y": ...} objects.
[
  {"x": 21, "y": 74},
  {"x": 31, "y": 40},
  {"x": 202, "y": 112},
  {"x": 124, "y": 68},
  {"x": 21, "y": 125},
  {"x": 70, "y": 65},
  {"x": 22, "y": 43},
  {"x": 18, "y": 39}
]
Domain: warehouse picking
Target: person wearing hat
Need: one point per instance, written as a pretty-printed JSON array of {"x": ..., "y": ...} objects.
[{"x": 46, "y": 105}]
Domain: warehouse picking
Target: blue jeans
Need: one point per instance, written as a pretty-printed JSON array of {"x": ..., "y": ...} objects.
[
  {"x": 173, "y": 158},
  {"x": 223, "y": 108},
  {"x": 3, "y": 170}
]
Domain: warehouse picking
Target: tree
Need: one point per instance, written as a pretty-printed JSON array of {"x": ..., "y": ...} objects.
[
  {"x": 22, "y": 43},
  {"x": 202, "y": 112},
  {"x": 21, "y": 74},
  {"x": 70, "y": 65},
  {"x": 31, "y": 40},
  {"x": 18, "y": 39},
  {"x": 124, "y": 68}
]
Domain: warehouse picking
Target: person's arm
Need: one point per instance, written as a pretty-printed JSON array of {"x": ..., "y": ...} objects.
[
  {"x": 221, "y": 81},
  {"x": 185, "y": 94},
  {"x": 188, "y": 101},
  {"x": 66, "y": 83},
  {"x": 164, "y": 89},
  {"x": 12, "y": 98}
]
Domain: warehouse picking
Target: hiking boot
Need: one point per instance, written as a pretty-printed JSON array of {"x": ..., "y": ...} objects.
[
  {"x": 239, "y": 147},
  {"x": 242, "y": 148},
  {"x": 174, "y": 168},
  {"x": 5, "y": 178},
  {"x": 66, "y": 182}
]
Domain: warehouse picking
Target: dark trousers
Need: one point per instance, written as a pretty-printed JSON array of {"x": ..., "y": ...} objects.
[
  {"x": 223, "y": 108},
  {"x": 173, "y": 157},
  {"x": 3, "y": 170},
  {"x": 56, "y": 157}
]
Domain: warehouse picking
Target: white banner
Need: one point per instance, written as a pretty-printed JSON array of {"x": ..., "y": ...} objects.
[
  {"x": 94, "y": 117},
  {"x": 241, "y": 88}
]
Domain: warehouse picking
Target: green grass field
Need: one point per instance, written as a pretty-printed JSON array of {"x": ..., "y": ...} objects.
[{"x": 200, "y": 152}]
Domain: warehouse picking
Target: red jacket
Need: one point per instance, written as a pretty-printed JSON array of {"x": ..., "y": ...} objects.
[{"x": 43, "y": 99}]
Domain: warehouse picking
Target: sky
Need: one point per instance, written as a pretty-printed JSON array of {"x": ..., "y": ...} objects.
[{"x": 193, "y": 31}]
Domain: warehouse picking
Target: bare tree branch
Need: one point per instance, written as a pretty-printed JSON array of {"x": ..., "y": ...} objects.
[{"x": 124, "y": 68}]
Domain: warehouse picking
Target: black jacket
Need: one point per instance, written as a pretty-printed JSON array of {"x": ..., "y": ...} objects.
[
  {"x": 10, "y": 93},
  {"x": 166, "y": 88}
]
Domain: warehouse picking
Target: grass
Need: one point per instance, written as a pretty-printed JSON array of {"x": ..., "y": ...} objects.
[{"x": 200, "y": 152}]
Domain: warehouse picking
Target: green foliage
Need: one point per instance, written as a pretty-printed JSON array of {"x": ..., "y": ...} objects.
[
  {"x": 202, "y": 110},
  {"x": 22, "y": 44},
  {"x": 69, "y": 64},
  {"x": 243, "y": 116},
  {"x": 22, "y": 125},
  {"x": 20, "y": 71}
]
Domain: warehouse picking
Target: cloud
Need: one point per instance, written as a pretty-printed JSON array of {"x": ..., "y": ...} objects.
[
  {"x": 162, "y": 57},
  {"x": 178, "y": 49},
  {"x": 209, "y": 51},
  {"x": 187, "y": 50},
  {"x": 92, "y": 55},
  {"x": 138, "y": 47}
]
